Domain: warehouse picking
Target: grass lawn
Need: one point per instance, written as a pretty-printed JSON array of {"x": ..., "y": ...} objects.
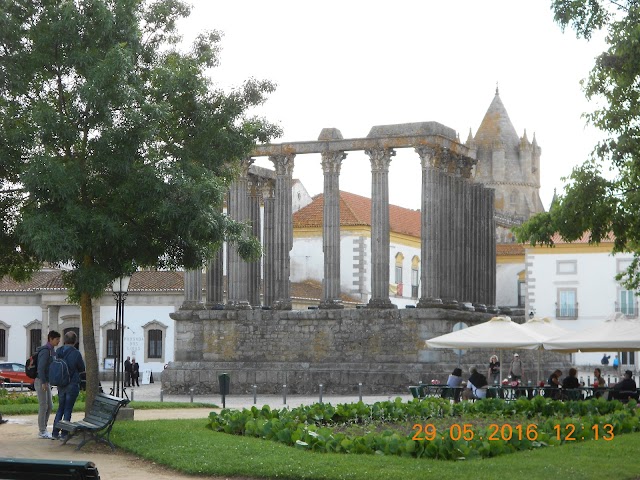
[{"x": 188, "y": 446}]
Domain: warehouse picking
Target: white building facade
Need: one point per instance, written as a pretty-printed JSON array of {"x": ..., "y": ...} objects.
[
  {"x": 575, "y": 284},
  {"x": 28, "y": 311}
]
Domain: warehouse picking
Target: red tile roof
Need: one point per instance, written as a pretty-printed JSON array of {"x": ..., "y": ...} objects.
[
  {"x": 150, "y": 281},
  {"x": 610, "y": 238},
  {"x": 505, "y": 249},
  {"x": 140, "y": 282},
  {"x": 355, "y": 210}
]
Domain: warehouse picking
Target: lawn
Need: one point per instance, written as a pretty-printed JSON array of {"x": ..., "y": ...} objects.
[{"x": 188, "y": 446}]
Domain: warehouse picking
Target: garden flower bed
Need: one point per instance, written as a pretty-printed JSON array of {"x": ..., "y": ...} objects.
[{"x": 433, "y": 428}]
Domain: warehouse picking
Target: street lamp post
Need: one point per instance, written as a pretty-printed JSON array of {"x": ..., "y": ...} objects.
[{"x": 120, "y": 286}]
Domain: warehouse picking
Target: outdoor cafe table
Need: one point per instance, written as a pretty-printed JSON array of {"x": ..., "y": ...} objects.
[{"x": 510, "y": 392}]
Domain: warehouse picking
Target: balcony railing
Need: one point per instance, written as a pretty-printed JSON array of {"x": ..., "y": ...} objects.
[
  {"x": 628, "y": 309},
  {"x": 568, "y": 312}
]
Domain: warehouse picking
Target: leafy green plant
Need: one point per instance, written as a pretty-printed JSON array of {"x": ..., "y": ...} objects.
[{"x": 440, "y": 430}]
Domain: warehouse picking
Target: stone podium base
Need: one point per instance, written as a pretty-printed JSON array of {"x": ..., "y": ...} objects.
[{"x": 125, "y": 413}]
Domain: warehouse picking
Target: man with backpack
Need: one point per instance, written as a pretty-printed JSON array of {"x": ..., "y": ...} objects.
[
  {"x": 70, "y": 365},
  {"x": 41, "y": 383}
]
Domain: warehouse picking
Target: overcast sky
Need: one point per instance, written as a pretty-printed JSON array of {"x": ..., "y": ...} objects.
[{"x": 355, "y": 64}]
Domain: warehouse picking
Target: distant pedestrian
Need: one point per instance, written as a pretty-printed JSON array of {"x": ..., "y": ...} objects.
[
  {"x": 605, "y": 359},
  {"x": 517, "y": 369},
  {"x": 68, "y": 394},
  {"x": 494, "y": 369},
  {"x": 127, "y": 372},
  {"x": 41, "y": 383},
  {"x": 135, "y": 373},
  {"x": 616, "y": 363}
]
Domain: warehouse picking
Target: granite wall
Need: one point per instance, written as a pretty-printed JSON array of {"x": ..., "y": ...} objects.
[{"x": 382, "y": 349}]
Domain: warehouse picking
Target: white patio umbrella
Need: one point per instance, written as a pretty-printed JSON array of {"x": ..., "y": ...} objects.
[
  {"x": 618, "y": 333},
  {"x": 545, "y": 328},
  {"x": 499, "y": 333}
]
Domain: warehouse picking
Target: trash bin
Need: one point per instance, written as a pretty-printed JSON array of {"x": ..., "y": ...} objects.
[{"x": 224, "y": 380}]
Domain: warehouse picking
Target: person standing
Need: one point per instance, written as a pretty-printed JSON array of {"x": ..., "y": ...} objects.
[
  {"x": 135, "y": 373},
  {"x": 616, "y": 362},
  {"x": 68, "y": 394},
  {"x": 127, "y": 372},
  {"x": 494, "y": 369},
  {"x": 41, "y": 383},
  {"x": 517, "y": 369}
]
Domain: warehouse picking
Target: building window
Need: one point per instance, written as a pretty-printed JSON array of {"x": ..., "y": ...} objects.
[
  {"x": 154, "y": 344},
  {"x": 155, "y": 334},
  {"x": 414, "y": 283},
  {"x": 112, "y": 340},
  {"x": 398, "y": 274},
  {"x": 566, "y": 267},
  {"x": 628, "y": 304},
  {"x": 3, "y": 344},
  {"x": 415, "y": 276},
  {"x": 35, "y": 339},
  {"x": 521, "y": 293},
  {"x": 628, "y": 358},
  {"x": 567, "y": 306}
]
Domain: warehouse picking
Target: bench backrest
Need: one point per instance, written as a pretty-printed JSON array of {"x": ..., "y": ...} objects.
[
  {"x": 104, "y": 409},
  {"x": 37, "y": 469}
]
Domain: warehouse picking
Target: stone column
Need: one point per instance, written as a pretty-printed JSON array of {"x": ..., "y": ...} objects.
[
  {"x": 492, "y": 249},
  {"x": 465, "y": 166},
  {"x": 268, "y": 244},
  {"x": 237, "y": 269},
  {"x": 331, "y": 163},
  {"x": 448, "y": 240},
  {"x": 284, "y": 229},
  {"x": 478, "y": 262},
  {"x": 380, "y": 160},
  {"x": 429, "y": 229},
  {"x": 254, "y": 273},
  {"x": 192, "y": 290},
  {"x": 214, "y": 289}
]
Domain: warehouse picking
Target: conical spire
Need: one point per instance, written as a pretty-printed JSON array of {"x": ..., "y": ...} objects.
[{"x": 496, "y": 126}]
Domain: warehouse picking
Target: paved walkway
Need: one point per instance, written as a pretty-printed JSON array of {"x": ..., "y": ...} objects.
[
  {"x": 19, "y": 435},
  {"x": 152, "y": 392}
]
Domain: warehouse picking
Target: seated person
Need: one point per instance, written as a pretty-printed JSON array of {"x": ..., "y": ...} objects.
[
  {"x": 554, "y": 382},
  {"x": 477, "y": 385},
  {"x": 599, "y": 383},
  {"x": 455, "y": 379},
  {"x": 626, "y": 385},
  {"x": 571, "y": 381}
]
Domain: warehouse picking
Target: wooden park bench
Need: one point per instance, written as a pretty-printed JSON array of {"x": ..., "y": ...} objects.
[
  {"x": 36, "y": 469},
  {"x": 97, "y": 424}
]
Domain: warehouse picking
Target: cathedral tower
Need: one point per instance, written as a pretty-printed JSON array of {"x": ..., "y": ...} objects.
[{"x": 510, "y": 165}]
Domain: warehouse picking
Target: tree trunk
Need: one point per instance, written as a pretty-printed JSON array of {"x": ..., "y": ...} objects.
[{"x": 90, "y": 352}]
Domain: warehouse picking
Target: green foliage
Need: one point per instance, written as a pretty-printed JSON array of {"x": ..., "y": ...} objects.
[
  {"x": 314, "y": 427},
  {"x": 116, "y": 146},
  {"x": 601, "y": 203}
]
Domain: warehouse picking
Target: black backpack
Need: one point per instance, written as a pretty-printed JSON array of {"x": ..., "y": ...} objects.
[{"x": 31, "y": 365}]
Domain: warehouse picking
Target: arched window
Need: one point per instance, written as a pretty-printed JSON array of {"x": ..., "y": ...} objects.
[
  {"x": 110, "y": 339},
  {"x": 415, "y": 276},
  {"x": 513, "y": 199},
  {"x": 34, "y": 335},
  {"x": 398, "y": 274},
  {"x": 155, "y": 334}
]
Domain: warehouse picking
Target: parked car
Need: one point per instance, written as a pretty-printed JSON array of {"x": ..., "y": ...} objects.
[{"x": 14, "y": 373}]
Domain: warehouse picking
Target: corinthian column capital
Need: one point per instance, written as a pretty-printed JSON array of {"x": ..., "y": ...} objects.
[
  {"x": 283, "y": 163},
  {"x": 428, "y": 156},
  {"x": 380, "y": 158},
  {"x": 332, "y": 161}
]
